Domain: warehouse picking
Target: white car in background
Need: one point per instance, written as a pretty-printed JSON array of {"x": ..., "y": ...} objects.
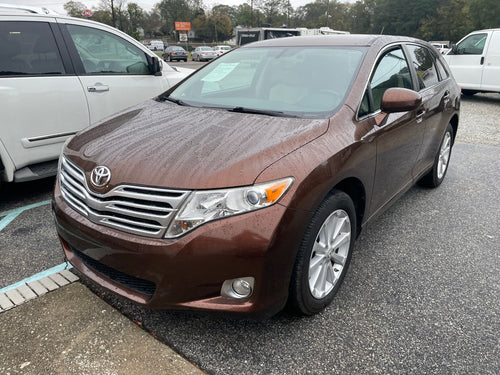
[
  {"x": 60, "y": 74},
  {"x": 203, "y": 53},
  {"x": 442, "y": 48},
  {"x": 220, "y": 50}
]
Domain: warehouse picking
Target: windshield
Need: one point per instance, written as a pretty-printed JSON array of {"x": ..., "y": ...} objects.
[{"x": 295, "y": 81}]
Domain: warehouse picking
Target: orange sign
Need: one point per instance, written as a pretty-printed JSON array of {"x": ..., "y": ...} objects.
[{"x": 183, "y": 26}]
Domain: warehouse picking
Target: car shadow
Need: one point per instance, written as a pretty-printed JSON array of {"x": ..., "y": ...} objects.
[
  {"x": 493, "y": 98},
  {"x": 15, "y": 195}
]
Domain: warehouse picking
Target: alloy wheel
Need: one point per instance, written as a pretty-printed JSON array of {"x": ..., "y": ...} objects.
[{"x": 329, "y": 254}]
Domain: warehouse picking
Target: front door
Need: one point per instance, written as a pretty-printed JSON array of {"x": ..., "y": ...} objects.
[
  {"x": 399, "y": 137},
  {"x": 114, "y": 73}
]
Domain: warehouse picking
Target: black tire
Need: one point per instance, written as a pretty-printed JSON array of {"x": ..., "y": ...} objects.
[
  {"x": 438, "y": 172},
  {"x": 334, "y": 209},
  {"x": 469, "y": 92}
]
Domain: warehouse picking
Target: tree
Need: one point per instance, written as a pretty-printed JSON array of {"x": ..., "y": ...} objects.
[
  {"x": 458, "y": 22},
  {"x": 360, "y": 15},
  {"x": 275, "y": 11},
  {"x": 152, "y": 23},
  {"x": 485, "y": 14},
  {"x": 75, "y": 9},
  {"x": 172, "y": 11}
]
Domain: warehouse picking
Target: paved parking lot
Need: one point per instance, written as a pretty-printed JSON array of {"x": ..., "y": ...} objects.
[{"x": 421, "y": 295}]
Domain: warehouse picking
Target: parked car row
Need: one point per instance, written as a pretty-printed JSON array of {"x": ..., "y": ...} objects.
[{"x": 203, "y": 53}]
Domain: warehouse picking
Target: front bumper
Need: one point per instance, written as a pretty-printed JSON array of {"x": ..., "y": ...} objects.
[{"x": 188, "y": 272}]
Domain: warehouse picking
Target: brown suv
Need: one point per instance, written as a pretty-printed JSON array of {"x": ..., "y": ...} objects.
[{"x": 245, "y": 186}]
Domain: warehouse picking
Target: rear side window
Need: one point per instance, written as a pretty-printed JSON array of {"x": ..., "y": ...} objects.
[
  {"x": 104, "y": 53},
  {"x": 28, "y": 48},
  {"x": 423, "y": 61}
]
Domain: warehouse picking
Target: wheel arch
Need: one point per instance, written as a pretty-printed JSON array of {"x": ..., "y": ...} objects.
[
  {"x": 454, "y": 125},
  {"x": 355, "y": 189}
]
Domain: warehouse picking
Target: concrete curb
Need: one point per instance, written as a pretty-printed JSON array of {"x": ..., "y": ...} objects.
[
  {"x": 72, "y": 331},
  {"x": 15, "y": 297}
]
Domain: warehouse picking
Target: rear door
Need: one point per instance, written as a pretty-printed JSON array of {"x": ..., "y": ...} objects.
[
  {"x": 42, "y": 101},
  {"x": 434, "y": 87},
  {"x": 491, "y": 73},
  {"x": 113, "y": 71}
]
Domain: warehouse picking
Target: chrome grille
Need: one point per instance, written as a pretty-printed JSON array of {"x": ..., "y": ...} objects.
[{"x": 145, "y": 211}]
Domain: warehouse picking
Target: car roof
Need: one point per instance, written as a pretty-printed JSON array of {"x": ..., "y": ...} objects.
[
  {"x": 332, "y": 40},
  {"x": 17, "y": 9}
]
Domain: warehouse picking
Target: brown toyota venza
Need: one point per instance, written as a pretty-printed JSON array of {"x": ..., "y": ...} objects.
[{"x": 245, "y": 186}]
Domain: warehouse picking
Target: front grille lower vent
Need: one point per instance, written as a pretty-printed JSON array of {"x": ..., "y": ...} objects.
[
  {"x": 145, "y": 211},
  {"x": 139, "y": 285}
]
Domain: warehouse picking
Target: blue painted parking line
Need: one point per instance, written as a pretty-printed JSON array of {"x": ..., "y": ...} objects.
[
  {"x": 35, "y": 285},
  {"x": 12, "y": 214},
  {"x": 38, "y": 276}
]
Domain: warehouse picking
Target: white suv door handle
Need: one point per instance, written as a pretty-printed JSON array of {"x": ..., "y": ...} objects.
[{"x": 98, "y": 87}]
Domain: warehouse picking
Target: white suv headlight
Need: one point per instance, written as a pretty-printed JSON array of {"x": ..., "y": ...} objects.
[{"x": 204, "y": 206}]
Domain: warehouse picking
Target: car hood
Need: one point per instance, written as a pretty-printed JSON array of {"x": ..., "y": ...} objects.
[{"x": 163, "y": 144}]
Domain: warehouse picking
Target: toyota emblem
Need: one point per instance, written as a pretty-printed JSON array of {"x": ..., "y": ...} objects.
[{"x": 100, "y": 176}]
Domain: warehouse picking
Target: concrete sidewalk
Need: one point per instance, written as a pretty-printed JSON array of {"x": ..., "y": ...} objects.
[{"x": 72, "y": 331}]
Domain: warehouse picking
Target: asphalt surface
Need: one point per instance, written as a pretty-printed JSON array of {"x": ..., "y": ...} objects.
[{"x": 421, "y": 295}]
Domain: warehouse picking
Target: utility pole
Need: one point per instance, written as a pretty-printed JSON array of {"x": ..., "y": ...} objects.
[
  {"x": 113, "y": 21},
  {"x": 251, "y": 13}
]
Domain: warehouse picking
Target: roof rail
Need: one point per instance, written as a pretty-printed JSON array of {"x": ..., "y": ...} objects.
[{"x": 29, "y": 9}]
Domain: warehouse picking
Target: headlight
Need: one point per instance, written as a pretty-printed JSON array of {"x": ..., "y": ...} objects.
[{"x": 208, "y": 205}]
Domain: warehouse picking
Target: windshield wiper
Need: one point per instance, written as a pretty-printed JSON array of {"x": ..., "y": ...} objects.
[
  {"x": 173, "y": 100},
  {"x": 260, "y": 112}
]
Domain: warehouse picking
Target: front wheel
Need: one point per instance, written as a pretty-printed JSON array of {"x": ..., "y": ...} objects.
[
  {"x": 436, "y": 175},
  {"x": 324, "y": 254}
]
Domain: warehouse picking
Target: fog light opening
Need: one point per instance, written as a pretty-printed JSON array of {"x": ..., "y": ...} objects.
[
  {"x": 239, "y": 288},
  {"x": 242, "y": 287}
]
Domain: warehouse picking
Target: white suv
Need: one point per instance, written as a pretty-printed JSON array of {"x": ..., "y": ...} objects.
[{"x": 60, "y": 74}]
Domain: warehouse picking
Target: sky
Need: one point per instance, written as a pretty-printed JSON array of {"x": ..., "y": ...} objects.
[{"x": 57, "y": 5}]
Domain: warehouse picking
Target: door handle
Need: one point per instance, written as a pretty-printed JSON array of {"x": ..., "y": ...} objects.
[
  {"x": 420, "y": 116},
  {"x": 482, "y": 60},
  {"x": 98, "y": 87}
]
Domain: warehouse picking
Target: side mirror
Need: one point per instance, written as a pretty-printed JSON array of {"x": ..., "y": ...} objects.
[
  {"x": 454, "y": 49},
  {"x": 397, "y": 99},
  {"x": 154, "y": 65}
]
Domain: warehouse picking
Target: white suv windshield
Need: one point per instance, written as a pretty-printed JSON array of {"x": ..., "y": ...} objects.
[{"x": 294, "y": 81}]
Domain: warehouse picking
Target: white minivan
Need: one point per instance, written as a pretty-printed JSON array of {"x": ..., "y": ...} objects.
[
  {"x": 475, "y": 62},
  {"x": 60, "y": 74}
]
